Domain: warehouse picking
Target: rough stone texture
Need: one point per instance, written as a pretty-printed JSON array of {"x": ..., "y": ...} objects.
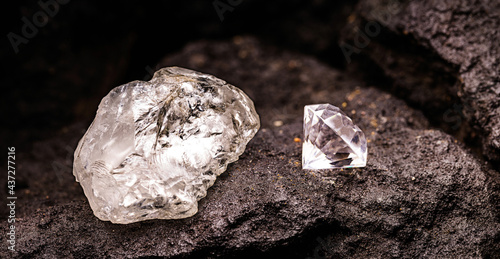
[
  {"x": 444, "y": 57},
  {"x": 421, "y": 194}
]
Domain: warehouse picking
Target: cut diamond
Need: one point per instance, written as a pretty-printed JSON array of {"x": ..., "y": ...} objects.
[{"x": 331, "y": 140}]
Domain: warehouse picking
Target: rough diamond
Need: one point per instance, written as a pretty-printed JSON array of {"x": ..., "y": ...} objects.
[{"x": 154, "y": 148}]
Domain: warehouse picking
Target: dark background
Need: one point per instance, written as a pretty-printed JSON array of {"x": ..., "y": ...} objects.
[
  {"x": 59, "y": 76},
  {"x": 422, "y": 58},
  {"x": 87, "y": 48},
  {"x": 57, "y": 79}
]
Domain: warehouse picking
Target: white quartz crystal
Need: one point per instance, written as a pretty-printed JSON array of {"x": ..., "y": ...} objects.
[
  {"x": 331, "y": 140},
  {"x": 154, "y": 148}
]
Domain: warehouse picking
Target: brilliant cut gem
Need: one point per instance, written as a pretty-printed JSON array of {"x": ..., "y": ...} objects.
[{"x": 331, "y": 140}]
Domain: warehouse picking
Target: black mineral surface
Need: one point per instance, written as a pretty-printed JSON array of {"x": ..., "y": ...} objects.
[{"x": 420, "y": 78}]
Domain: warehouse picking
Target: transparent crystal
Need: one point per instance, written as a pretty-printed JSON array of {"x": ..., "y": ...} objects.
[
  {"x": 331, "y": 140},
  {"x": 154, "y": 148}
]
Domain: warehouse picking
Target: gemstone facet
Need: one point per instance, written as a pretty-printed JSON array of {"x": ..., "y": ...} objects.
[
  {"x": 331, "y": 140},
  {"x": 154, "y": 148}
]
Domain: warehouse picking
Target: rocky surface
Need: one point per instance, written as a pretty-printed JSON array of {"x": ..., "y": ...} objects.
[
  {"x": 422, "y": 192},
  {"x": 442, "y": 56}
]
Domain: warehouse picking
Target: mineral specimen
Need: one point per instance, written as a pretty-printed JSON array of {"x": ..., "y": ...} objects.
[
  {"x": 154, "y": 148},
  {"x": 331, "y": 140}
]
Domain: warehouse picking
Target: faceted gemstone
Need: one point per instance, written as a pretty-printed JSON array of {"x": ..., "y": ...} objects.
[
  {"x": 331, "y": 140},
  {"x": 154, "y": 148}
]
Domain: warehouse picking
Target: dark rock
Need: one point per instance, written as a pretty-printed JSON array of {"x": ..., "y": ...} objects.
[
  {"x": 421, "y": 194},
  {"x": 442, "y": 56}
]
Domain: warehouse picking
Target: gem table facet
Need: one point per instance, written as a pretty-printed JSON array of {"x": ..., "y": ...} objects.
[
  {"x": 331, "y": 140},
  {"x": 155, "y": 147}
]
